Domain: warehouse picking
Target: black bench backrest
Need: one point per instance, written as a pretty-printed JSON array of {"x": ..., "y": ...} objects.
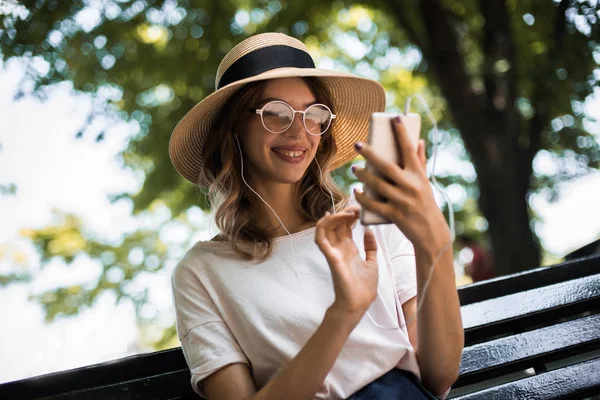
[
  {"x": 526, "y": 321},
  {"x": 160, "y": 375},
  {"x": 535, "y": 278}
]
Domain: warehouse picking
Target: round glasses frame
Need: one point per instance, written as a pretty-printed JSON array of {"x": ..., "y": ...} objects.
[{"x": 259, "y": 111}]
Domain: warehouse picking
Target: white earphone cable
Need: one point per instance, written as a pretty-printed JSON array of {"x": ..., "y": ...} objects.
[
  {"x": 441, "y": 190},
  {"x": 435, "y": 184},
  {"x": 267, "y": 204}
]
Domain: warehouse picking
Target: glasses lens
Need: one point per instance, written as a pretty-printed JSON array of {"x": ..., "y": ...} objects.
[
  {"x": 317, "y": 119},
  {"x": 277, "y": 116}
]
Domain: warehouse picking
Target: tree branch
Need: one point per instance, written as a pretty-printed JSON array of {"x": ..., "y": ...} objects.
[
  {"x": 500, "y": 67},
  {"x": 403, "y": 19},
  {"x": 542, "y": 117},
  {"x": 466, "y": 106}
]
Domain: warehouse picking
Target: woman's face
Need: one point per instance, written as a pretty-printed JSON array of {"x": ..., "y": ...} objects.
[{"x": 280, "y": 157}]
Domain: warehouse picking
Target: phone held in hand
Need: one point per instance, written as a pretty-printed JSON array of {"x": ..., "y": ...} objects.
[{"x": 382, "y": 139}]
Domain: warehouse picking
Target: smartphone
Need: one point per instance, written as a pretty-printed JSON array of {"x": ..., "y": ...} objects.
[{"x": 382, "y": 139}]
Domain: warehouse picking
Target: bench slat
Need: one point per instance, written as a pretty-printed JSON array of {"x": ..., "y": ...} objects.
[
  {"x": 518, "y": 311},
  {"x": 169, "y": 386},
  {"x": 575, "y": 381},
  {"x": 107, "y": 373},
  {"x": 528, "y": 280},
  {"x": 525, "y": 350}
]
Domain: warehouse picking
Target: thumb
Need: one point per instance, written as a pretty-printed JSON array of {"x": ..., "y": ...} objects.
[
  {"x": 421, "y": 153},
  {"x": 370, "y": 246}
]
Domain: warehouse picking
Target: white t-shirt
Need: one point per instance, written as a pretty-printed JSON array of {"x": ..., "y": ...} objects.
[{"x": 261, "y": 314}]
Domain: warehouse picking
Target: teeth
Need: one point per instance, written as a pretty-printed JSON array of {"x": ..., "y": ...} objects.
[{"x": 291, "y": 153}]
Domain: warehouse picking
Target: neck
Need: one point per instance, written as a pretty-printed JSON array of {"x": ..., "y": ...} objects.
[{"x": 282, "y": 197}]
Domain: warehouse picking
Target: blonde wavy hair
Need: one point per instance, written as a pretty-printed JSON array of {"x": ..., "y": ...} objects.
[{"x": 228, "y": 194}]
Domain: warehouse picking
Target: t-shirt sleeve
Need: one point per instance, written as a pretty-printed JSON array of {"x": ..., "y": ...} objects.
[
  {"x": 402, "y": 259},
  {"x": 206, "y": 341}
]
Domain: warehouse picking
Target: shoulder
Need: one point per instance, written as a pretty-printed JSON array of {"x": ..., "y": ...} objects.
[{"x": 201, "y": 257}]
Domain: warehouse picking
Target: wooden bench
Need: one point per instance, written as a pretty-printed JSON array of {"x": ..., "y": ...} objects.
[{"x": 533, "y": 335}]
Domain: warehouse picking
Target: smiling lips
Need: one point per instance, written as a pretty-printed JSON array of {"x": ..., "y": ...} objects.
[{"x": 290, "y": 154}]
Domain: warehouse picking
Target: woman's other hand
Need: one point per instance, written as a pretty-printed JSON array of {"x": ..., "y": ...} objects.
[
  {"x": 354, "y": 279},
  {"x": 411, "y": 204}
]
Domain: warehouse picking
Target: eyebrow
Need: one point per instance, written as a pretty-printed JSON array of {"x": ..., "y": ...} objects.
[{"x": 268, "y": 99}]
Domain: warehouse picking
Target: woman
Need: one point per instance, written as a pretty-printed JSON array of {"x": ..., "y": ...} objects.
[{"x": 294, "y": 299}]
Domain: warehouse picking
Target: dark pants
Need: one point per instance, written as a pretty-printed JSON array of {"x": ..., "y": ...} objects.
[{"x": 394, "y": 385}]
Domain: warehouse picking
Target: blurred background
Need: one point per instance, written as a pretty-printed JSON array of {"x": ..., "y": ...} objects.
[{"x": 93, "y": 216}]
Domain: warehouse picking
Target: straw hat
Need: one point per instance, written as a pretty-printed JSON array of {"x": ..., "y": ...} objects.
[{"x": 269, "y": 56}]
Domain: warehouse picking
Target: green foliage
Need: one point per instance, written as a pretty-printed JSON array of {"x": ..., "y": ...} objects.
[
  {"x": 8, "y": 279},
  {"x": 138, "y": 253},
  {"x": 8, "y": 190},
  {"x": 150, "y": 61}
]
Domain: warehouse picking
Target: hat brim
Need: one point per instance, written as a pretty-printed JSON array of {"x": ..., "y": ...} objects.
[{"x": 355, "y": 99}]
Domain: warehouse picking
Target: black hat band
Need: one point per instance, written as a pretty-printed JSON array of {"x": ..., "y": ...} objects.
[{"x": 263, "y": 60}]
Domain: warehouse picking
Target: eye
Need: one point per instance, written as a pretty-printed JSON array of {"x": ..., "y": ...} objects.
[
  {"x": 317, "y": 119},
  {"x": 277, "y": 116}
]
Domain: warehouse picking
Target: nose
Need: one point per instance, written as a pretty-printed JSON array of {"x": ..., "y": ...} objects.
[{"x": 297, "y": 127}]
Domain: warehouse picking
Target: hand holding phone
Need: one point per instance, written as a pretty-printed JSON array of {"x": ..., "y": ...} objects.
[{"x": 382, "y": 139}]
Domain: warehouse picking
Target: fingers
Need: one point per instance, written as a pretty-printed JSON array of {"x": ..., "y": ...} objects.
[
  {"x": 384, "y": 209},
  {"x": 406, "y": 147},
  {"x": 388, "y": 169},
  {"x": 331, "y": 226},
  {"x": 370, "y": 246},
  {"x": 421, "y": 153},
  {"x": 329, "y": 220},
  {"x": 378, "y": 184},
  {"x": 341, "y": 232},
  {"x": 351, "y": 209}
]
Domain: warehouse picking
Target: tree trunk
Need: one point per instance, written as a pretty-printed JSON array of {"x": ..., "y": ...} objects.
[
  {"x": 503, "y": 185},
  {"x": 489, "y": 125}
]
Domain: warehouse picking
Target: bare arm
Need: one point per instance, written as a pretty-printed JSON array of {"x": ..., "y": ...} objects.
[
  {"x": 437, "y": 334},
  {"x": 231, "y": 382},
  {"x": 304, "y": 375},
  {"x": 301, "y": 378},
  {"x": 409, "y": 309},
  {"x": 412, "y": 207},
  {"x": 355, "y": 286}
]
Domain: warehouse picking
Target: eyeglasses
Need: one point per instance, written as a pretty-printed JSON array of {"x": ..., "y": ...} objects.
[{"x": 277, "y": 116}]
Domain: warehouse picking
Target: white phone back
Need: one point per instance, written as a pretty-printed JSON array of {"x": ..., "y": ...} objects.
[{"x": 383, "y": 140}]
